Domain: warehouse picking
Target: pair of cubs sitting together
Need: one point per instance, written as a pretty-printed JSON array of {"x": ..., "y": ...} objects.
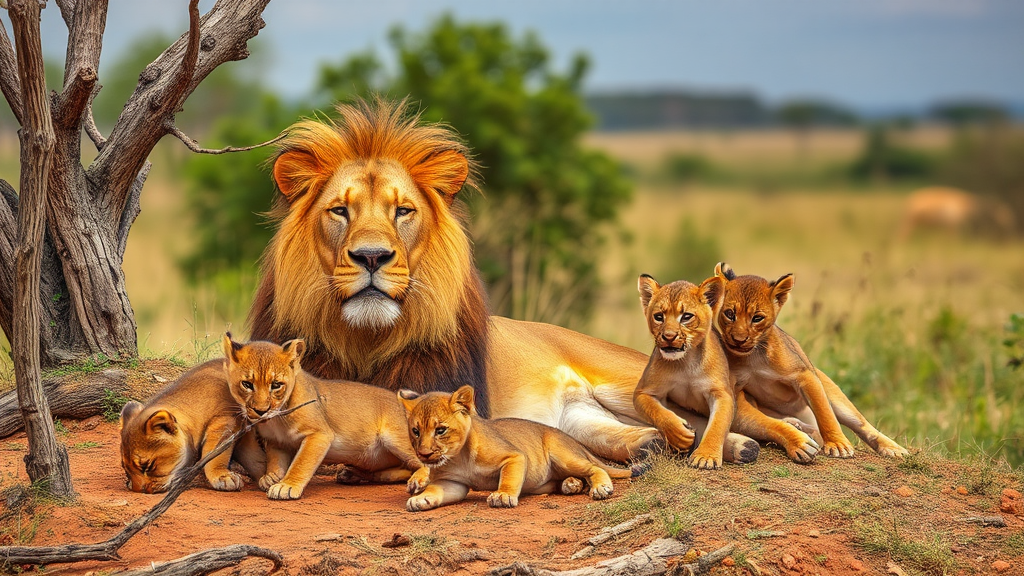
[{"x": 746, "y": 374}]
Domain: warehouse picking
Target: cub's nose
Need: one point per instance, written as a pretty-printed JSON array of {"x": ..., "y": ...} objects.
[
  {"x": 260, "y": 412},
  {"x": 371, "y": 258},
  {"x": 668, "y": 337},
  {"x": 424, "y": 455}
]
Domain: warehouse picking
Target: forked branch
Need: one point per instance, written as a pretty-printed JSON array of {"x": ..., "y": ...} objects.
[{"x": 194, "y": 146}]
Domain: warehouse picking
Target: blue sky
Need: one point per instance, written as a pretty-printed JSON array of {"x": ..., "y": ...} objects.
[{"x": 866, "y": 53}]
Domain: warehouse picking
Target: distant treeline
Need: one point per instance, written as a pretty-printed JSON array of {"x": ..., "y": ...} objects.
[{"x": 714, "y": 110}]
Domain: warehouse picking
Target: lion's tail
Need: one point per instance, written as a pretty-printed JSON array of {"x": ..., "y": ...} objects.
[{"x": 631, "y": 472}]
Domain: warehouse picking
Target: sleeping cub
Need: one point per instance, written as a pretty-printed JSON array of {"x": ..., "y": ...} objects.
[
  {"x": 189, "y": 418},
  {"x": 508, "y": 455},
  {"x": 348, "y": 423}
]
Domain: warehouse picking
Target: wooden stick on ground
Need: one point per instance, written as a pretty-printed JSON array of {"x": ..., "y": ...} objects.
[
  {"x": 108, "y": 549},
  {"x": 208, "y": 561},
  {"x": 654, "y": 559},
  {"x": 608, "y": 533}
]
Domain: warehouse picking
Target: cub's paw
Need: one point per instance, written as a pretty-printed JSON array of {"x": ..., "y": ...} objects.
[
  {"x": 601, "y": 491},
  {"x": 227, "y": 482},
  {"x": 348, "y": 475},
  {"x": 890, "y": 449},
  {"x": 800, "y": 425},
  {"x": 802, "y": 448},
  {"x": 838, "y": 449},
  {"x": 572, "y": 486},
  {"x": 282, "y": 491},
  {"x": 705, "y": 461},
  {"x": 418, "y": 481},
  {"x": 268, "y": 480},
  {"x": 681, "y": 438},
  {"x": 502, "y": 500},
  {"x": 422, "y": 502}
]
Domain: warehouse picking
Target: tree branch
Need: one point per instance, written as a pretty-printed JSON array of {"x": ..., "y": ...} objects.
[
  {"x": 194, "y": 146},
  {"x": 177, "y": 91},
  {"x": 108, "y": 549},
  {"x": 90, "y": 126},
  {"x": 132, "y": 208},
  {"x": 67, "y": 11},
  {"x": 70, "y": 104},
  {"x": 208, "y": 561},
  {"x": 10, "y": 84},
  {"x": 8, "y": 239},
  {"x": 85, "y": 36}
]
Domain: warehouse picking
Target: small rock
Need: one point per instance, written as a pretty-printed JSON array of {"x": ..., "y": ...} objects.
[
  {"x": 856, "y": 565},
  {"x": 1000, "y": 566},
  {"x": 961, "y": 490},
  {"x": 893, "y": 568},
  {"x": 946, "y": 491},
  {"x": 159, "y": 378},
  {"x": 1010, "y": 502},
  {"x": 872, "y": 491},
  {"x": 813, "y": 533},
  {"x": 397, "y": 540},
  {"x": 904, "y": 491},
  {"x": 728, "y": 561},
  {"x": 788, "y": 561},
  {"x": 90, "y": 423}
]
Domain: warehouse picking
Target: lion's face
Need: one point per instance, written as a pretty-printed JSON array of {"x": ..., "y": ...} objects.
[
  {"x": 261, "y": 375},
  {"x": 750, "y": 308},
  {"x": 680, "y": 314},
  {"x": 372, "y": 223},
  {"x": 152, "y": 447}
]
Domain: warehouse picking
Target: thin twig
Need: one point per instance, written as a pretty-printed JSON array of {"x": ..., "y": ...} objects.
[
  {"x": 90, "y": 127},
  {"x": 194, "y": 146},
  {"x": 108, "y": 549}
]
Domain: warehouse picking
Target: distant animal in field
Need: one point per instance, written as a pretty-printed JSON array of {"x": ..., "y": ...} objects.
[{"x": 954, "y": 211}]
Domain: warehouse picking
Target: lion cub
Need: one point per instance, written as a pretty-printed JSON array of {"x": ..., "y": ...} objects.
[
  {"x": 508, "y": 455},
  {"x": 772, "y": 370},
  {"x": 189, "y": 418},
  {"x": 349, "y": 423},
  {"x": 687, "y": 366}
]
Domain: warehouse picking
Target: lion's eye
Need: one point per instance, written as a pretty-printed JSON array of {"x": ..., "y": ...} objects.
[
  {"x": 658, "y": 317},
  {"x": 276, "y": 385},
  {"x": 246, "y": 384},
  {"x": 416, "y": 432},
  {"x": 687, "y": 316},
  {"x": 441, "y": 430},
  {"x": 730, "y": 314},
  {"x": 757, "y": 318},
  {"x": 340, "y": 211},
  {"x": 403, "y": 211}
]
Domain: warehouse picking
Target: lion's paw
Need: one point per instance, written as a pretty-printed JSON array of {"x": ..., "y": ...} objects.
[
  {"x": 282, "y": 491},
  {"x": 502, "y": 500},
  {"x": 422, "y": 502},
  {"x": 802, "y": 449},
  {"x": 839, "y": 449},
  {"x": 268, "y": 480},
  {"x": 227, "y": 482},
  {"x": 418, "y": 481},
  {"x": 347, "y": 475},
  {"x": 682, "y": 438},
  {"x": 705, "y": 461},
  {"x": 601, "y": 491},
  {"x": 572, "y": 485},
  {"x": 800, "y": 425},
  {"x": 890, "y": 449}
]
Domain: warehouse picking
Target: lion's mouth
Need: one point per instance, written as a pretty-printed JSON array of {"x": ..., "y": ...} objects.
[
  {"x": 673, "y": 349},
  {"x": 372, "y": 309},
  {"x": 740, "y": 348},
  {"x": 371, "y": 291}
]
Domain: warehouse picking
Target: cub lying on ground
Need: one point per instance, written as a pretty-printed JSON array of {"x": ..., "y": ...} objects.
[
  {"x": 187, "y": 419},
  {"x": 774, "y": 373},
  {"x": 687, "y": 366},
  {"x": 349, "y": 423},
  {"x": 508, "y": 455}
]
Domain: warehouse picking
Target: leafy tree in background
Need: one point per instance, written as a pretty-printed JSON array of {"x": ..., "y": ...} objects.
[{"x": 539, "y": 227}]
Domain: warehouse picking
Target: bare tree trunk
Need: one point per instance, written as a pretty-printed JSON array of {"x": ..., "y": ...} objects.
[{"x": 47, "y": 461}]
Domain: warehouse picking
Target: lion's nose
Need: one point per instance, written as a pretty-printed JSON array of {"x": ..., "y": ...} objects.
[{"x": 371, "y": 258}]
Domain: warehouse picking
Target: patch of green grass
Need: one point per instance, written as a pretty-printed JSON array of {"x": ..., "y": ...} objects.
[
  {"x": 930, "y": 554},
  {"x": 781, "y": 471},
  {"x": 915, "y": 463},
  {"x": 675, "y": 525},
  {"x": 1014, "y": 543},
  {"x": 112, "y": 404},
  {"x": 821, "y": 558},
  {"x": 93, "y": 363},
  {"x": 839, "y": 508},
  {"x": 60, "y": 428},
  {"x": 632, "y": 504},
  {"x": 14, "y": 446},
  {"x": 85, "y": 445}
]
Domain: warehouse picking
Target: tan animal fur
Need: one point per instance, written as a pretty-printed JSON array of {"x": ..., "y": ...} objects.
[
  {"x": 349, "y": 423},
  {"x": 187, "y": 419},
  {"x": 509, "y": 456},
  {"x": 687, "y": 366},
  {"x": 778, "y": 379}
]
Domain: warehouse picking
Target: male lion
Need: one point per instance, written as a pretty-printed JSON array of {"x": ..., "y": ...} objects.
[{"x": 372, "y": 266}]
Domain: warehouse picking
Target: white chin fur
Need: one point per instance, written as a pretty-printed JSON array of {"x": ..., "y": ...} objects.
[
  {"x": 672, "y": 355},
  {"x": 373, "y": 312}
]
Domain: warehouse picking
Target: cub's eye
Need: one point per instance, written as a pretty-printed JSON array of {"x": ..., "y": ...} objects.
[
  {"x": 416, "y": 432},
  {"x": 340, "y": 211},
  {"x": 403, "y": 211},
  {"x": 730, "y": 315},
  {"x": 441, "y": 430},
  {"x": 276, "y": 385},
  {"x": 246, "y": 384},
  {"x": 687, "y": 316},
  {"x": 147, "y": 467},
  {"x": 757, "y": 318},
  {"x": 659, "y": 317}
]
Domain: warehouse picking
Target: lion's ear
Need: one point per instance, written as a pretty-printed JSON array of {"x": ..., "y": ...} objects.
[
  {"x": 444, "y": 172},
  {"x": 231, "y": 348},
  {"x": 781, "y": 288},
  {"x": 462, "y": 400},
  {"x": 130, "y": 410},
  {"x": 724, "y": 271},
  {"x": 409, "y": 399},
  {"x": 161, "y": 421},
  {"x": 713, "y": 290},
  {"x": 294, "y": 171},
  {"x": 647, "y": 286}
]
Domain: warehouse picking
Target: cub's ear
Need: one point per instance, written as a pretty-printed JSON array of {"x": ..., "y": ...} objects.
[
  {"x": 724, "y": 271},
  {"x": 781, "y": 288},
  {"x": 462, "y": 400},
  {"x": 161, "y": 422},
  {"x": 128, "y": 412},
  {"x": 444, "y": 172},
  {"x": 646, "y": 285},
  {"x": 409, "y": 399},
  {"x": 231, "y": 348},
  {"x": 294, "y": 349},
  {"x": 713, "y": 290}
]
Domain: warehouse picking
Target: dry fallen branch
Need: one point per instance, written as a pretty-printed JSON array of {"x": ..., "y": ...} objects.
[
  {"x": 652, "y": 560},
  {"x": 108, "y": 549},
  {"x": 610, "y": 532},
  {"x": 73, "y": 396},
  {"x": 704, "y": 564},
  {"x": 194, "y": 146},
  {"x": 208, "y": 561},
  {"x": 987, "y": 521}
]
